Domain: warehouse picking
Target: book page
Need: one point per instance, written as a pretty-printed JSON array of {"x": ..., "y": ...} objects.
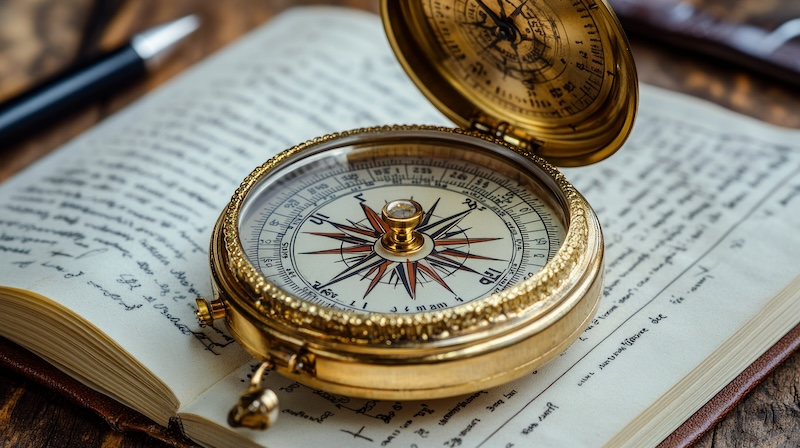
[
  {"x": 116, "y": 225},
  {"x": 698, "y": 210}
]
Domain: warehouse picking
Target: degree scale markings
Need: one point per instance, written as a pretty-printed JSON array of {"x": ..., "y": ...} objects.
[{"x": 312, "y": 237}]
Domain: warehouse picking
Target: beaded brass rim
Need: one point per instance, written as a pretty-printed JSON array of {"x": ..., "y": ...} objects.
[{"x": 528, "y": 298}]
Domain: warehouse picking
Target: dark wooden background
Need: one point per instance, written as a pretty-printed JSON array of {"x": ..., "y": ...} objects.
[{"x": 40, "y": 37}]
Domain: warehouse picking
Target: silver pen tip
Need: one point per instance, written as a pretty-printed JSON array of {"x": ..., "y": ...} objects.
[{"x": 155, "y": 43}]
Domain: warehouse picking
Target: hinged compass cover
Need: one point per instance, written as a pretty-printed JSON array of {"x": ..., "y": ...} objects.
[{"x": 553, "y": 75}]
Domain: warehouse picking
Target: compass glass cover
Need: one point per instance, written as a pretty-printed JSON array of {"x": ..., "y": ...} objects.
[{"x": 313, "y": 225}]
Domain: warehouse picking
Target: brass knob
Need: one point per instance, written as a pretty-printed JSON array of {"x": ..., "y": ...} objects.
[
  {"x": 206, "y": 313},
  {"x": 402, "y": 216}
]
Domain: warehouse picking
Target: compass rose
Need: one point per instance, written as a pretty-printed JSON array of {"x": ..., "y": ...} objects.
[{"x": 422, "y": 251}]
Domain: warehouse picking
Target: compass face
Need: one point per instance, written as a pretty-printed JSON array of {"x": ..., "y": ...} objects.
[
  {"x": 315, "y": 228},
  {"x": 530, "y": 57}
]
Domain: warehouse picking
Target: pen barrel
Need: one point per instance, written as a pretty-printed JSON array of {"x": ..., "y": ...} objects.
[{"x": 68, "y": 92}]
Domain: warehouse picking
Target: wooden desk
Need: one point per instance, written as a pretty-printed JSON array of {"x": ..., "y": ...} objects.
[{"x": 38, "y": 37}]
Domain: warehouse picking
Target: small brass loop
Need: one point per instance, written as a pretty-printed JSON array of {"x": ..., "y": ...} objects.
[
  {"x": 258, "y": 376},
  {"x": 257, "y": 407},
  {"x": 292, "y": 364}
]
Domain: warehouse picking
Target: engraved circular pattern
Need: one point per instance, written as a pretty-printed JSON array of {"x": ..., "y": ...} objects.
[
  {"x": 534, "y": 42},
  {"x": 535, "y": 58}
]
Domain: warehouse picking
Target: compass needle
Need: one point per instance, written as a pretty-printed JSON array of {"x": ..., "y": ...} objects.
[
  {"x": 381, "y": 268},
  {"x": 428, "y": 270}
]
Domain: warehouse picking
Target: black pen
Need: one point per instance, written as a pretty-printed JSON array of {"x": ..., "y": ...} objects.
[{"x": 81, "y": 85}]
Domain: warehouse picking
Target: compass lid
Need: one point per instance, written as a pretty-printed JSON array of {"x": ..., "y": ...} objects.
[{"x": 552, "y": 75}]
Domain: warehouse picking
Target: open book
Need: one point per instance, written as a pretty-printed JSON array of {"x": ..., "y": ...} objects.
[{"x": 103, "y": 249}]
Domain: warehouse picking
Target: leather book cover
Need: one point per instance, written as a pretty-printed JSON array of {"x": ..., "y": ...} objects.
[
  {"x": 722, "y": 403},
  {"x": 762, "y": 36},
  {"x": 18, "y": 360}
]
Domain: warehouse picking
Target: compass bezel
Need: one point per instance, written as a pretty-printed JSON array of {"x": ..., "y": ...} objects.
[{"x": 522, "y": 304}]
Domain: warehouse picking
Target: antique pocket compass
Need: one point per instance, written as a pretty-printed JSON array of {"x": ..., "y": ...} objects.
[{"x": 411, "y": 262}]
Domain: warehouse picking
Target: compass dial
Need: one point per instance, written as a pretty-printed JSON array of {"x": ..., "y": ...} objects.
[{"x": 318, "y": 228}]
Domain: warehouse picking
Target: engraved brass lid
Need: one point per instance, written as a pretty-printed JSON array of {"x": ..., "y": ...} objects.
[{"x": 554, "y": 76}]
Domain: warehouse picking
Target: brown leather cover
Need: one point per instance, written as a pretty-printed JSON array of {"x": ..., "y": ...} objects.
[
  {"x": 764, "y": 40},
  {"x": 716, "y": 408},
  {"x": 119, "y": 417}
]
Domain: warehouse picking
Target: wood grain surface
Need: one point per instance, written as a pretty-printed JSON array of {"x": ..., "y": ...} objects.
[{"x": 39, "y": 37}]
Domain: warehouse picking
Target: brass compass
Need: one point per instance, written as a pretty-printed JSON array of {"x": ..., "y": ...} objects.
[{"x": 409, "y": 262}]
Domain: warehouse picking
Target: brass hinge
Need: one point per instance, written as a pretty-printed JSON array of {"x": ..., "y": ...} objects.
[{"x": 504, "y": 131}]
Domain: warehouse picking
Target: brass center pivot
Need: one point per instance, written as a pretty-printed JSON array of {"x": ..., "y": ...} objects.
[{"x": 402, "y": 216}]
